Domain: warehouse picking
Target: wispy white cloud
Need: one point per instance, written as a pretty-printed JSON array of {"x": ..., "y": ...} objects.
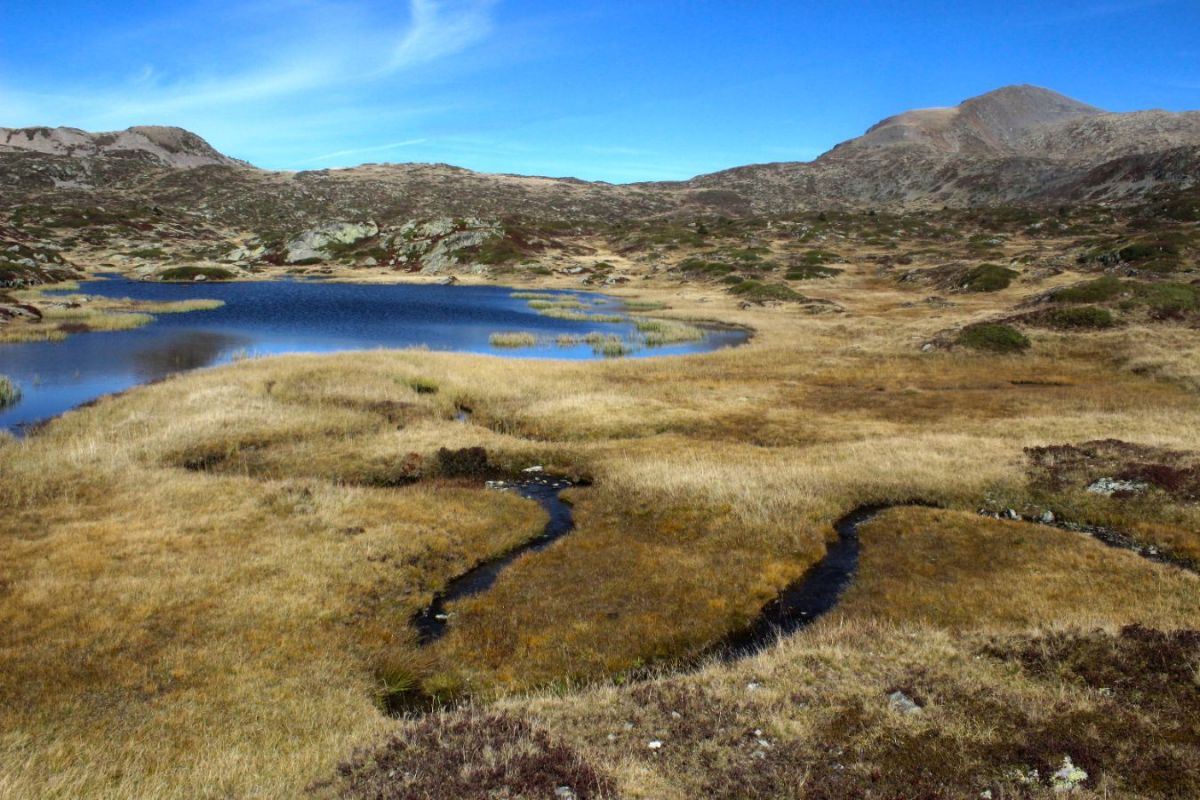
[
  {"x": 319, "y": 54},
  {"x": 337, "y": 155},
  {"x": 439, "y": 29}
]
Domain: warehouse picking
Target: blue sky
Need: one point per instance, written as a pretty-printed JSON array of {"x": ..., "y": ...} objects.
[{"x": 617, "y": 90}]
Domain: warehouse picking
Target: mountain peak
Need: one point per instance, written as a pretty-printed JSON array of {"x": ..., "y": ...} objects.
[
  {"x": 991, "y": 123},
  {"x": 1006, "y": 114},
  {"x": 172, "y": 147}
]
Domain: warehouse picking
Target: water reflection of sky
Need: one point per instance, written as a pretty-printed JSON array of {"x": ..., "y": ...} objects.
[{"x": 268, "y": 318}]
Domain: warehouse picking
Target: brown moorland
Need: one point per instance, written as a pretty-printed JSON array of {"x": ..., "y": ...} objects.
[{"x": 206, "y": 584}]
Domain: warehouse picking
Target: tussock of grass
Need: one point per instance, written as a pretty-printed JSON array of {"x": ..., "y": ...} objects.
[
  {"x": 569, "y": 303},
  {"x": 535, "y": 295},
  {"x": 571, "y": 315},
  {"x": 10, "y": 393},
  {"x": 513, "y": 339},
  {"x": 657, "y": 332},
  {"x": 644, "y": 305}
]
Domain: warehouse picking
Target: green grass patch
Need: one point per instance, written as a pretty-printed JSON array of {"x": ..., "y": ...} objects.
[
  {"x": 644, "y": 305},
  {"x": 1080, "y": 318},
  {"x": 705, "y": 267},
  {"x": 993, "y": 338},
  {"x": 1162, "y": 299},
  {"x": 808, "y": 272},
  {"x": 423, "y": 385},
  {"x": 988, "y": 278},
  {"x": 1168, "y": 298},
  {"x": 191, "y": 273},
  {"x": 1096, "y": 291},
  {"x": 815, "y": 258}
]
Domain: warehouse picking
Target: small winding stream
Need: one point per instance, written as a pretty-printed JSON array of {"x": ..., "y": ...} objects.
[
  {"x": 431, "y": 621},
  {"x": 798, "y": 605}
]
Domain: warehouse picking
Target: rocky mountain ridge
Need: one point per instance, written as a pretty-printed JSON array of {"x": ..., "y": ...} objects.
[
  {"x": 102, "y": 196},
  {"x": 1020, "y": 145}
]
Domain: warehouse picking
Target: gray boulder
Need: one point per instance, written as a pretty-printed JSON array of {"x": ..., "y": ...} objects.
[{"x": 312, "y": 246}]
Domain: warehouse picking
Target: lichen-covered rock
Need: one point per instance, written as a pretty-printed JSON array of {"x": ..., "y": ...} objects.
[
  {"x": 1110, "y": 486},
  {"x": 312, "y": 246},
  {"x": 435, "y": 246},
  {"x": 1068, "y": 777}
]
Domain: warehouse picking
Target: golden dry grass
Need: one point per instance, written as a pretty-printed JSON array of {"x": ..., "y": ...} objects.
[
  {"x": 201, "y": 579},
  {"x": 63, "y": 315}
]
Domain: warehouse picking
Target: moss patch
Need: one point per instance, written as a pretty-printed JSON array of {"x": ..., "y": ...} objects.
[
  {"x": 988, "y": 278},
  {"x": 994, "y": 338}
]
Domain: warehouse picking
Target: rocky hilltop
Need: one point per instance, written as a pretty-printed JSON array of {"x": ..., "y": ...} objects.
[
  {"x": 1018, "y": 145},
  {"x": 102, "y": 197}
]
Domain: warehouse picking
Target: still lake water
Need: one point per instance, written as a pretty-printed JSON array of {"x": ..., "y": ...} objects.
[{"x": 272, "y": 317}]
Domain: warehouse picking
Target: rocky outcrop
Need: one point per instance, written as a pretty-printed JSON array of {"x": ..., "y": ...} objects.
[
  {"x": 436, "y": 245},
  {"x": 314, "y": 246}
]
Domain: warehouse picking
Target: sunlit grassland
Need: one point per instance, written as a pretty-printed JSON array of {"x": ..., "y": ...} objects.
[{"x": 205, "y": 582}]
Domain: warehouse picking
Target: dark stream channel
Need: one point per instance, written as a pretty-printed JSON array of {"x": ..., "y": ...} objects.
[{"x": 431, "y": 621}]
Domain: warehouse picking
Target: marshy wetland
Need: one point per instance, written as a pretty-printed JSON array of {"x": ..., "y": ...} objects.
[{"x": 209, "y": 584}]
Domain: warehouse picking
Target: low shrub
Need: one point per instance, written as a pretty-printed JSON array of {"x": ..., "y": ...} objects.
[
  {"x": 1081, "y": 318},
  {"x": 988, "y": 278},
  {"x": 994, "y": 338},
  {"x": 1096, "y": 291}
]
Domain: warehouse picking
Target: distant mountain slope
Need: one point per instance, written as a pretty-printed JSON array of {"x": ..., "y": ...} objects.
[
  {"x": 170, "y": 147},
  {"x": 1016, "y": 145},
  {"x": 1013, "y": 146}
]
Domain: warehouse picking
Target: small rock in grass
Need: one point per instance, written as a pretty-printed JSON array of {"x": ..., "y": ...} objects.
[
  {"x": 655, "y": 745},
  {"x": 1110, "y": 486},
  {"x": 1068, "y": 778},
  {"x": 564, "y": 792},
  {"x": 903, "y": 703}
]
